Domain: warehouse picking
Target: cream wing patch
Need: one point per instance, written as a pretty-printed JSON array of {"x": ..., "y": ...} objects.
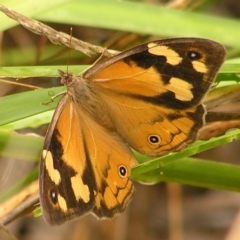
[
  {"x": 62, "y": 203},
  {"x": 52, "y": 172},
  {"x": 199, "y": 66},
  {"x": 172, "y": 56},
  {"x": 81, "y": 190},
  {"x": 181, "y": 89}
]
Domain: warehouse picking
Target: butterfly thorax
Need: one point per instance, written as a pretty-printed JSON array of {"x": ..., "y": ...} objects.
[{"x": 80, "y": 92}]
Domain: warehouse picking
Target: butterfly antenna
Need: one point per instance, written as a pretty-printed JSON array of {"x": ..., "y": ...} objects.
[{"x": 69, "y": 51}]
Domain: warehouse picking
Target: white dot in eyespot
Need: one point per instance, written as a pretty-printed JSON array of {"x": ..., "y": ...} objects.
[
  {"x": 194, "y": 55},
  {"x": 122, "y": 171},
  {"x": 53, "y": 196},
  {"x": 154, "y": 139}
]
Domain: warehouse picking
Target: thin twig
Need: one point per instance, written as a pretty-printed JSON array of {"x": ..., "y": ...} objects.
[{"x": 55, "y": 36}]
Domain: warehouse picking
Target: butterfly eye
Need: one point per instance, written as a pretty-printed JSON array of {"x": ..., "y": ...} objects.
[
  {"x": 154, "y": 139},
  {"x": 122, "y": 171},
  {"x": 194, "y": 55},
  {"x": 53, "y": 196}
]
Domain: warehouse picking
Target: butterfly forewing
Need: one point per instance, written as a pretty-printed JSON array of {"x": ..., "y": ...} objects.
[
  {"x": 64, "y": 170},
  {"x": 158, "y": 90}
]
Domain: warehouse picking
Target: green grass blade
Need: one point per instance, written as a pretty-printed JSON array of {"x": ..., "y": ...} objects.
[
  {"x": 29, "y": 8},
  {"x": 195, "y": 148},
  {"x": 146, "y": 18},
  {"x": 28, "y": 104},
  {"x": 196, "y": 172}
]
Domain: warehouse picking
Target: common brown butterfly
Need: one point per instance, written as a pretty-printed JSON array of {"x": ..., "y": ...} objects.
[{"x": 148, "y": 98}]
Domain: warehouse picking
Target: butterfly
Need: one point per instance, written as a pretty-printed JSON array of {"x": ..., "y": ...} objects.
[{"x": 148, "y": 98}]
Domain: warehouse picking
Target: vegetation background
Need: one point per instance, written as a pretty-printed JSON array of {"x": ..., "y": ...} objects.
[{"x": 162, "y": 211}]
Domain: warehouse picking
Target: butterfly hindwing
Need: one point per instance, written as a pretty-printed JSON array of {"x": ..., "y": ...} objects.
[{"x": 83, "y": 168}]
